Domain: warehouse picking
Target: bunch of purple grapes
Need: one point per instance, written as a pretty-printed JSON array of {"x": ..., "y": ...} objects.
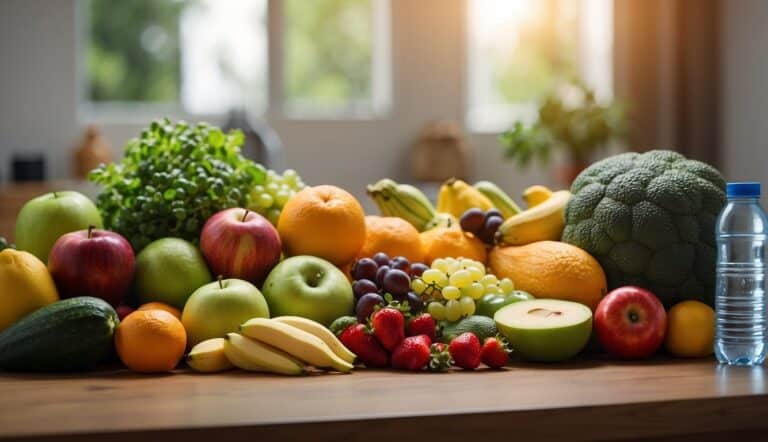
[
  {"x": 376, "y": 276},
  {"x": 482, "y": 224}
]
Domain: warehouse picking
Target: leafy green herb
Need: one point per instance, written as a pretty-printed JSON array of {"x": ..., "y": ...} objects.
[{"x": 172, "y": 179}]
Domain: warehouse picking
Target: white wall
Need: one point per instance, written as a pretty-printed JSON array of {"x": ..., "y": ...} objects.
[
  {"x": 38, "y": 100},
  {"x": 744, "y": 99}
]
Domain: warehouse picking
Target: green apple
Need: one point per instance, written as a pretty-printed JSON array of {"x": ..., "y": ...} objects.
[
  {"x": 545, "y": 330},
  {"x": 310, "y": 287},
  {"x": 45, "y": 218},
  {"x": 218, "y": 308}
]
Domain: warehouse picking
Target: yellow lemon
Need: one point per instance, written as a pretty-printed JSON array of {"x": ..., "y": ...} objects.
[
  {"x": 25, "y": 286},
  {"x": 690, "y": 330}
]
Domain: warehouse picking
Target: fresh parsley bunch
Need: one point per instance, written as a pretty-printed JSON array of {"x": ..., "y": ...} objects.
[{"x": 172, "y": 179}]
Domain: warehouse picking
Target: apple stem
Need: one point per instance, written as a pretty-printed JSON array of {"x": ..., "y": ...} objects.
[
  {"x": 221, "y": 283},
  {"x": 90, "y": 230},
  {"x": 245, "y": 215}
]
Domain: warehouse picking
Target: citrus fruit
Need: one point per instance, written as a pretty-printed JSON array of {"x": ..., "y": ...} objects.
[
  {"x": 25, "y": 286},
  {"x": 169, "y": 270},
  {"x": 393, "y": 236},
  {"x": 449, "y": 242},
  {"x": 161, "y": 306},
  {"x": 150, "y": 341},
  {"x": 323, "y": 221},
  {"x": 551, "y": 269},
  {"x": 690, "y": 330}
]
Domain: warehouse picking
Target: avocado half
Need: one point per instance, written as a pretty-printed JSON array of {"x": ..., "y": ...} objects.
[{"x": 545, "y": 330}]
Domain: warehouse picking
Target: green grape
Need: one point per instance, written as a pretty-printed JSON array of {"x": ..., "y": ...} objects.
[
  {"x": 282, "y": 197},
  {"x": 258, "y": 189},
  {"x": 290, "y": 175},
  {"x": 418, "y": 286},
  {"x": 451, "y": 292},
  {"x": 493, "y": 290},
  {"x": 265, "y": 201},
  {"x": 436, "y": 310},
  {"x": 467, "y": 305},
  {"x": 475, "y": 273},
  {"x": 460, "y": 279},
  {"x": 489, "y": 279},
  {"x": 272, "y": 188},
  {"x": 507, "y": 285},
  {"x": 474, "y": 290},
  {"x": 434, "y": 276},
  {"x": 273, "y": 216},
  {"x": 452, "y": 310},
  {"x": 452, "y": 266},
  {"x": 440, "y": 264}
]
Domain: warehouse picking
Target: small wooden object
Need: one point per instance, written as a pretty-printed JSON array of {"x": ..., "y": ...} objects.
[
  {"x": 440, "y": 152},
  {"x": 92, "y": 151}
]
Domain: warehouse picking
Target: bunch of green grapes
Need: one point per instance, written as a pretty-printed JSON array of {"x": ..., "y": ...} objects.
[
  {"x": 269, "y": 198},
  {"x": 453, "y": 285}
]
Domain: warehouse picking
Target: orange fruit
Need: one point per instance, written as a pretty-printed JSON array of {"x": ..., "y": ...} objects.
[
  {"x": 323, "y": 221},
  {"x": 451, "y": 242},
  {"x": 161, "y": 306},
  {"x": 150, "y": 341},
  {"x": 690, "y": 330},
  {"x": 393, "y": 236},
  {"x": 551, "y": 269}
]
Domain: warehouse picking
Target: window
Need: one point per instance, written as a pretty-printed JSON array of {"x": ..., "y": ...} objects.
[
  {"x": 210, "y": 56},
  {"x": 520, "y": 49}
]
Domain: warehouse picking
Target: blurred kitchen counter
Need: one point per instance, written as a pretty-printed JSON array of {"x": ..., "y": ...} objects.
[{"x": 14, "y": 195}]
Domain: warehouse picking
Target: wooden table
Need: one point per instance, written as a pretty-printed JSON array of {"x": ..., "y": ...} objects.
[{"x": 583, "y": 400}]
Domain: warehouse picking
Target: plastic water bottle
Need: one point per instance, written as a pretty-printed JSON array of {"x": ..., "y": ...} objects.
[{"x": 740, "y": 303}]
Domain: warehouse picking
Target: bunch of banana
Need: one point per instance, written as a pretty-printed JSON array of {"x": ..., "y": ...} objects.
[
  {"x": 498, "y": 198},
  {"x": 408, "y": 203},
  {"x": 545, "y": 220},
  {"x": 283, "y": 345},
  {"x": 456, "y": 197},
  {"x": 535, "y": 195}
]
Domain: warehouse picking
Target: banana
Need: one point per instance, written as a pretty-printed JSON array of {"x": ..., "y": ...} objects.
[
  {"x": 404, "y": 201},
  {"x": 540, "y": 223},
  {"x": 499, "y": 198},
  {"x": 209, "y": 356},
  {"x": 321, "y": 332},
  {"x": 252, "y": 355},
  {"x": 536, "y": 195},
  {"x": 460, "y": 196},
  {"x": 296, "y": 342}
]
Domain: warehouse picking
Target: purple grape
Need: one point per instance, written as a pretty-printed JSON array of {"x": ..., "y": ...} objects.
[
  {"x": 472, "y": 220},
  {"x": 363, "y": 286},
  {"x": 381, "y": 259},
  {"x": 380, "y": 274},
  {"x": 415, "y": 302},
  {"x": 401, "y": 263},
  {"x": 365, "y": 306},
  {"x": 417, "y": 269},
  {"x": 488, "y": 233},
  {"x": 397, "y": 283},
  {"x": 365, "y": 268},
  {"x": 493, "y": 212}
]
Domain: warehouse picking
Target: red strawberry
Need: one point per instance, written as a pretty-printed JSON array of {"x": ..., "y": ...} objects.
[
  {"x": 495, "y": 353},
  {"x": 412, "y": 354},
  {"x": 388, "y": 327},
  {"x": 423, "y": 324},
  {"x": 357, "y": 338},
  {"x": 465, "y": 351}
]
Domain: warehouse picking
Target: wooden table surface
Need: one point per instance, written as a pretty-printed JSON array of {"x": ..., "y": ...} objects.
[{"x": 583, "y": 400}]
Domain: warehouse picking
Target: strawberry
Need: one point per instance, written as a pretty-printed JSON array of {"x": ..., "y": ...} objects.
[
  {"x": 358, "y": 339},
  {"x": 465, "y": 351},
  {"x": 412, "y": 354},
  {"x": 440, "y": 359},
  {"x": 423, "y": 324},
  {"x": 388, "y": 327},
  {"x": 495, "y": 352}
]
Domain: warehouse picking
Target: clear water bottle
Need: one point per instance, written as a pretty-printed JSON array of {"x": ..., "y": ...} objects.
[{"x": 740, "y": 303}]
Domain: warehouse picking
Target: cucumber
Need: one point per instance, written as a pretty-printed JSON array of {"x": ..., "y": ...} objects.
[
  {"x": 482, "y": 326},
  {"x": 72, "y": 334}
]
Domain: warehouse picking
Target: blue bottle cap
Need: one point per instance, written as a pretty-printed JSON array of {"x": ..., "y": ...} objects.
[{"x": 747, "y": 189}]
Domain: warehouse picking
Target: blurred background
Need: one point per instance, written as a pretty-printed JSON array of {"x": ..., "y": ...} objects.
[{"x": 347, "y": 92}]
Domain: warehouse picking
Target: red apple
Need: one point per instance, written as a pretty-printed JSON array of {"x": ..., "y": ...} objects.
[
  {"x": 630, "y": 323},
  {"x": 92, "y": 262},
  {"x": 238, "y": 243}
]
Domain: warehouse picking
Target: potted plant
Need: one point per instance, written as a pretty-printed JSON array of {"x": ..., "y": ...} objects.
[{"x": 570, "y": 119}]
